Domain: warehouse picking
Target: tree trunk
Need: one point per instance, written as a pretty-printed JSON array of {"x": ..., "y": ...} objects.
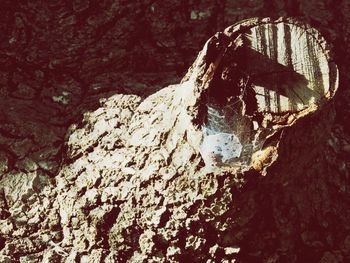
[{"x": 90, "y": 176}]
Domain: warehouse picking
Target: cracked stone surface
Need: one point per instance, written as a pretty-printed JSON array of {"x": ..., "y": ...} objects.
[{"x": 84, "y": 178}]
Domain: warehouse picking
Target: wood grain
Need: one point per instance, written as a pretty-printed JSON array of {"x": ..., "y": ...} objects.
[{"x": 289, "y": 67}]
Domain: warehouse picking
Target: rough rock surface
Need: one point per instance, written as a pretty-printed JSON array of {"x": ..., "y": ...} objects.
[{"x": 58, "y": 58}]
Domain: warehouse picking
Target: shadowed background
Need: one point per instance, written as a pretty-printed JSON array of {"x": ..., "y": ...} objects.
[{"x": 57, "y": 58}]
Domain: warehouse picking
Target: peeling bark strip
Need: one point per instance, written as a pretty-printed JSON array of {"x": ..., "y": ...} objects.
[{"x": 264, "y": 72}]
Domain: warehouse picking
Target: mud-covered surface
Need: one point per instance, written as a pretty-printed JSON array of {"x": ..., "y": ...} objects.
[{"x": 61, "y": 195}]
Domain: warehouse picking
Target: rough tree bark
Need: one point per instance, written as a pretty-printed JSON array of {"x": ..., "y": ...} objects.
[{"x": 78, "y": 194}]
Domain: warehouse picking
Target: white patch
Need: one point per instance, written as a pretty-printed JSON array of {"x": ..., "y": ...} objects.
[{"x": 220, "y": 148}]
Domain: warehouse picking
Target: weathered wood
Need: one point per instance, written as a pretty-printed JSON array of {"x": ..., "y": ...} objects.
[
  {"x": 288, "y": 63},
  {"x": 133, "y": 187},
  {"x": 266, "y": 74}
]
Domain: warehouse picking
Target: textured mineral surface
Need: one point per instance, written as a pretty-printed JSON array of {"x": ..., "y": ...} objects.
[{"x": 128, "y": 181}]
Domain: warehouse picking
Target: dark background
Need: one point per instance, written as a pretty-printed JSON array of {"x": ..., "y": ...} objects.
[{"x": 57, "y": 58}]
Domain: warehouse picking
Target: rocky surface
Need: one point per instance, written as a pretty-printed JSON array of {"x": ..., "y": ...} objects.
[{"x": 71, "y": 195}]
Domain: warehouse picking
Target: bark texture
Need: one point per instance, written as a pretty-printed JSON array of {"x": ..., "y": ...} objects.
[{"x": 95, "y": 192}]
